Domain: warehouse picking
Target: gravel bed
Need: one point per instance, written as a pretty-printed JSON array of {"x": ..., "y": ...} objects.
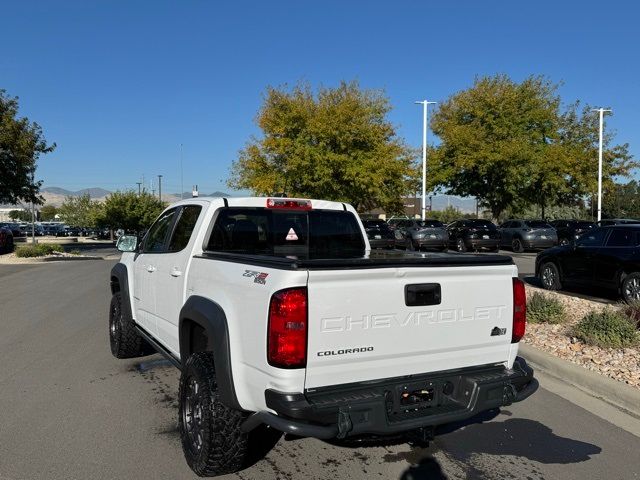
[{"x": 622, "y": 364}]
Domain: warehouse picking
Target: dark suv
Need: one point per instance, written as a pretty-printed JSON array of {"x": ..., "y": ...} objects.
[
  {"x": 521, "y": 235},
  {"x": 6, "y": 239},
  {"x": 379, "y": 234},
  {"x": 570, "y": 230},
  {"x": 474, "y": 234},
  {"x": 424, "y": 234}
]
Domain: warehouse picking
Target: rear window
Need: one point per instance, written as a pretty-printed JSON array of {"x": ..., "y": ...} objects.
[
  {"x": 479, "y": 223},
  {"x": 430, "y": 224},
  {"x": 302, "y": 234},
  {"x": 536, "y": 224}
]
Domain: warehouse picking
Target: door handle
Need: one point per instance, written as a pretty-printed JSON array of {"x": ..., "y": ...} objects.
[
  {"x": 175, "y": 272},
  {"x": 151, "y": 268}
]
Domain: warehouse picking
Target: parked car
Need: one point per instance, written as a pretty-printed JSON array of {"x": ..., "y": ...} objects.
[
  {"x": 473, "y": 234},
  {"x": 616, "y": 221},
  {"x": 605, "y": 257},
  {"x": 379, "y": 234},
  {"x": 14, "y": 227},
  {"x": 427, "y": 234},
  {"x": 27, "y": 230},
  {"x": 394, "y": 222},
  {"x": 569, "y": 231},
  {"x": 521, "y": 235},
  {"x": 6, "y": 240},
  {"x": 71, "y": 231}
]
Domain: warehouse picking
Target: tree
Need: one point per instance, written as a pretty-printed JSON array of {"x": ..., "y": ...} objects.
[
  {"x": 48, "y": 213},
  {"x": 22, "y": 215},
  {"x": 130, "y": 211},
  {"x": 80, "y": 211},
  {"x": 621, "y": 201},
  {"x": 336, "y": 145},
  {"x": 510, "y": 144},
  {"x": 21, "y": 143}
]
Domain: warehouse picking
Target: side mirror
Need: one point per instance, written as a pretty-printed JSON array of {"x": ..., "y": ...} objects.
[{"x": 127, "y": 243}]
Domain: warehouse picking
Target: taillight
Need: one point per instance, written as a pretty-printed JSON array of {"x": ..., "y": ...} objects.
[
  {"x": 519, "y": 310},
  {"x": 289, "y": 204},
  {"x": 287, "y": 331}
]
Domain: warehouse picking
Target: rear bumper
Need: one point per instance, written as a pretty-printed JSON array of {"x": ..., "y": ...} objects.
[
  {"x": 477, "y": 243},
  {"x": 376, "y": 408},
  {"x": 439, "y": 243},
  {"x": 531, "y": 244},
  {"x": 382, "y": 242}
]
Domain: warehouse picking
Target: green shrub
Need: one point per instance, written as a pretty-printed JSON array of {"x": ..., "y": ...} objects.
[
  {"x": 544, "y": 309},
  {"x": 607, "y": 328},
  {"x": 37, "y": 250},
  {"x": 632, "y": 310},
  {"x": 75, "y": 252}
]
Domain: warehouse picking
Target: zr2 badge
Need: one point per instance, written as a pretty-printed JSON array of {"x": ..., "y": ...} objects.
[{"x": 258, "y": 277}]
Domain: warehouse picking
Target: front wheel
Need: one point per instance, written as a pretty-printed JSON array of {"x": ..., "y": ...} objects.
[
  {"x": 631, "y": 288},
  {"x": 125, "y": 340},
  {"x": 563, "y": 242},
  {"x": 212, "y": 441},
  {"x": 460, "y": 245},
  {"x": 550, "y": 276},
  {"x": 409, "y": 245}
]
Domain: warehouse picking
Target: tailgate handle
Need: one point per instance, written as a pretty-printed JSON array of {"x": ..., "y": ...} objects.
[{"x": 421, "y": 294}]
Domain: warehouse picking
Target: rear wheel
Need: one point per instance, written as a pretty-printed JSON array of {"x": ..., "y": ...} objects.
[
  {"x": 460, "y": 245},
  {"x": 125, "y": 340},
  {"x": 550, "y": 276},
  {"x": 631, "y": 287},
  {"x": 516, "y": 245},
  {"x": 563, "y": 241},
  {"x": 212, "y": 441}
]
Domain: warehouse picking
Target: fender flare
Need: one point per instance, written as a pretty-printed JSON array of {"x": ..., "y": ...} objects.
[
  {"x": 211, "y": 317},
  {"x": 119, "y": 271}
]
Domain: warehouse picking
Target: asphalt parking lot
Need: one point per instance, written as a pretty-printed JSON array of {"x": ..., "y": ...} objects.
[{"x": 69, "y": 410}]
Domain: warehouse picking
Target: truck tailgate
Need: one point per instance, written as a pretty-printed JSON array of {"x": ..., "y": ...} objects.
[{"x": 368, "y": 324}]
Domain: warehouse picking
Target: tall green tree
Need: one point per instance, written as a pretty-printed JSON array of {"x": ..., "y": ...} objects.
[
  {"x": 48, "y": 213},
  {"x": 621, "y": 200},
  {"x": 130, "y": 211},
  {"x": 21, "y": 143},
  {"x": 80, "y": 211},
  {"x": 337, "y": 144},
  {"x": 511, "y": 144}
]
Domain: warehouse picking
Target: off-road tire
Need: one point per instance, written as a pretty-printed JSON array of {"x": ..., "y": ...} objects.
[
  {"x": 517, "y": 246},
  {"x": 125, "y": 340},
  {"x": 212, "y": 441},
  {"x": 550, "y": 276},
  {"x": 630, "y": 287}
]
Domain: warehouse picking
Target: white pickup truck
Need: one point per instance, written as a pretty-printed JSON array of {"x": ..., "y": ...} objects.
[{"x": 277, "y": 313}]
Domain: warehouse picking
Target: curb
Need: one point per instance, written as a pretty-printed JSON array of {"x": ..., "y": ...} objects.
[{"x": 611, "y": 391}]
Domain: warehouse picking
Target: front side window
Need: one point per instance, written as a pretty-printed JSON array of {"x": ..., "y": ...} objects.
[
  {"x": 155, "y": 240},
  {"x": 184, "y": 227}
]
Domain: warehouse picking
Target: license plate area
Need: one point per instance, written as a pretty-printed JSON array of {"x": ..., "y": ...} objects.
[{"x": 414, "y": 398}]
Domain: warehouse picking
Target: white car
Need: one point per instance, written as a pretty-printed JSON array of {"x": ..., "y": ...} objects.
[{"x": 277, "y": 313}]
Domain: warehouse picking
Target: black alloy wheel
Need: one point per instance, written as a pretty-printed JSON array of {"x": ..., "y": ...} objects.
[
  {"x": 631, "y": 288},
  {"x": 550, "y": 276},
  {"x": 516, "y": 245}
]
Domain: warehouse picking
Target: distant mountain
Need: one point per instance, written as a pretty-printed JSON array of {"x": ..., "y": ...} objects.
[{"x": 93, "y": 192}]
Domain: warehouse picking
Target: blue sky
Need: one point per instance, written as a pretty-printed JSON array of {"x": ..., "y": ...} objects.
[{"x": 119, "y": 85}]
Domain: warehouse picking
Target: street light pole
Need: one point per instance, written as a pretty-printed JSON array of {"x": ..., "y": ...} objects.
[
  {"x": 601, "y": 112},
  {"x": 160, "y": 187},
  {"x": 425, "y": 105}
]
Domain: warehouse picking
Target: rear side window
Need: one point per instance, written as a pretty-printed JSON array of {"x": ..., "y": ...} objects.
[
  {"x": 622, "y": 238},
  {"x": 184, "y": 227},
  {"x": 594, "y": 238},
  {"x": 307, "y": 234}
]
